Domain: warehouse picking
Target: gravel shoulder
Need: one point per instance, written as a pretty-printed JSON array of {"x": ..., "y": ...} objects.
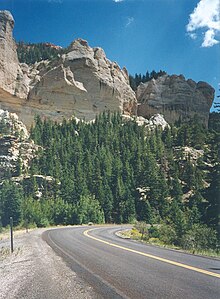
[{"x": 35, "y": 271}]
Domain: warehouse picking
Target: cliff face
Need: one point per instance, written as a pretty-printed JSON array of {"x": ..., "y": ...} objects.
[
  {"x": 11, "y": 76},
  {"x": 175, "y": 98},
  {"x": 84, "y": 82}
]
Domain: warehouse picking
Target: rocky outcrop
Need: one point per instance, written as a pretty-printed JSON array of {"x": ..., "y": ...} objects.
[
  {"x": 40, "y": 182},
  {"x": 85, "y": 83},
  {"x": 185, "y": 152},
  {"x": 11, "y": 125},
  {"x": 11, "y": 75},
  {"x": 155, "y": 121},
  {"x": 16, "y": 149},
  {"x": 175, "y": 97}
]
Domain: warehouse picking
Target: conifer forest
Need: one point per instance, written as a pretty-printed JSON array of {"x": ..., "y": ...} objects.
[{"x": 114, "y": 171}]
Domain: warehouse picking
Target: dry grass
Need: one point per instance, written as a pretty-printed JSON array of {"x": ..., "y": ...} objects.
[
  {"x": 4, "y": 252},
  {"x": 5, "y": 234}
]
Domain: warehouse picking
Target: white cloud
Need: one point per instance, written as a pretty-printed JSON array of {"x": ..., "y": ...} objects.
[
  {"x": 209, "y": 39},
  {"x": 206, "y": 17},
  {"x": 118, "y": 1},
  {"x": 193, "y": 35},
  {"x": 129, "y": 21}
]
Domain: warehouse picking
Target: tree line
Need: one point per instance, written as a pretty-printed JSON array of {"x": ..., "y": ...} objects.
[
  {"x": 137, "y": 79},
  {"x": 30, "y": 53}
]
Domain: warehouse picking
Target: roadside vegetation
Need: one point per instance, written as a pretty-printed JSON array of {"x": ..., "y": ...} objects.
[
  {"x": 199, "y": 239},
  {"x": 112, "y": 171}
]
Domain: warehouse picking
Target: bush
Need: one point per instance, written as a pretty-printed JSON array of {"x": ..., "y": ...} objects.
[
  {"x": 200, "y": 237},
  {"x": 142, "y": 228},
  {"x": 135, "y": 234},
  {"x": 153, "y": 232},
  {"x": 167, "y": 234},
  {"x": 43, "y": 222}
]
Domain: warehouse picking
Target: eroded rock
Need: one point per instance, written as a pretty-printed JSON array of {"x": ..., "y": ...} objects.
[
  {"x": 85, "y": 83},
  {"x": 175, "y": 98},
  {"x": 155, "y": 121},
  {"x": 16, "y": 149},
  {"x": 12, "y": 78}
]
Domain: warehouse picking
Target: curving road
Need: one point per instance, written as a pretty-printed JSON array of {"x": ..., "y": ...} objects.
[{"x": 118, "y": 268}]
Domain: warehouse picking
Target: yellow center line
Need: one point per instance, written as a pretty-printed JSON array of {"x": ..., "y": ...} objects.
[{"x": 86, "y": 233}]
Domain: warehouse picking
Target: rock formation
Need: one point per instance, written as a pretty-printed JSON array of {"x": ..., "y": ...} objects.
[
  {"x": 16, "y": 149},
  {"x": 85, "y": 83},
  {"x": 155, "y": 121},
  {"x": 82, "y": 82},
  {"x": 11, "y": 76},
  {"x": 175, "y": 98}
]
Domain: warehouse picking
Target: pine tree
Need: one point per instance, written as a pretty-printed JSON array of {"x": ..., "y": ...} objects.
[
  {"x": 89, "y": 210},
  {"x": 10, "y": 203},
  {"x": 213, "y": 196}
]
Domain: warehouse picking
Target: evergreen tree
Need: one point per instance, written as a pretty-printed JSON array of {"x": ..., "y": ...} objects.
[
  {"x": 10, "y": 203},
  {"x": 213, "y": 196},
  {"x": 111, "y": 160},
  {"x": 89, "y": 210}
]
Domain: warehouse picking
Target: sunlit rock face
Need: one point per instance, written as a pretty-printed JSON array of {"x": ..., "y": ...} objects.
[
  {"x": 175, "y": 98},
  {"x": 82, "y": 82},
  {"x": 85, "y": 83},
  {"x": 11, "y": 75}
]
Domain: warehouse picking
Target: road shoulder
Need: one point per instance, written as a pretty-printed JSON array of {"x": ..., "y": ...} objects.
[{"x": 35, "y": 271}]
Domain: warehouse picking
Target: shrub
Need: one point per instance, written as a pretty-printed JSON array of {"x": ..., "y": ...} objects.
[
  {"x": 153, "y": 232},
  {"x": 167, "y": 234},
  {"x": 142, "y": 228},
  {"x": 43, "y": 222},
  {"x": 200, "y": 237},
  {"x": 135, "y": 234}
]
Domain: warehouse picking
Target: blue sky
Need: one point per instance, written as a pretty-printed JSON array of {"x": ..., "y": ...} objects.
[{"x": 178, "y": 36}]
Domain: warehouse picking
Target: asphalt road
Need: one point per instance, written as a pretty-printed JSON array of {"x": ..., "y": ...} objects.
[{"x": 118, "y": 268}]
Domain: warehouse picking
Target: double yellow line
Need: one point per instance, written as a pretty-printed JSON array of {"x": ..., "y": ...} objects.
[{"x": 86, "y": 233}]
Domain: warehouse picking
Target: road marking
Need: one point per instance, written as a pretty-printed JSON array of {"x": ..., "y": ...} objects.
[{"x": 86, "y": 233}]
